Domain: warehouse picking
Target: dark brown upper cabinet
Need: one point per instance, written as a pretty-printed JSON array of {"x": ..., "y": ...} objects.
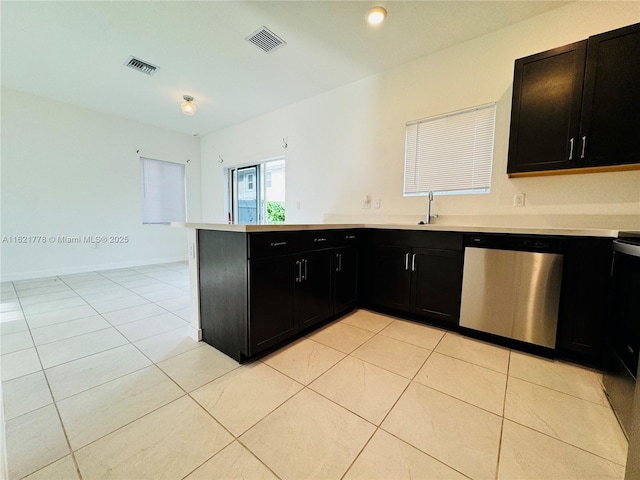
[{"x": 578, "y": 105}]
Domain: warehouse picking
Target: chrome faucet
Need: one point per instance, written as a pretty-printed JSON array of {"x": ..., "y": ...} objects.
[{"x": 429, "y": 216}]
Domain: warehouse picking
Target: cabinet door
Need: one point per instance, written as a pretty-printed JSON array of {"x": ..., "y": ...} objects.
[
  {"x": 272, "y": 286},
  {"x": 586, "y": 282},
  {"x": 436, "y": 283},
  {"x": 346, "y": 279},
  {"x": 545, "y": 113},
  {"x": 391, "y": 278},
  {"x": 610, "y": 127},
  {"x": 314, "y": 289}
]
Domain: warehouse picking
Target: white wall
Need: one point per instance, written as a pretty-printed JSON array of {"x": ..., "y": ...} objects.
[
  {"x": 73, "y": 172},
  {"x": 349, "y": 142}
]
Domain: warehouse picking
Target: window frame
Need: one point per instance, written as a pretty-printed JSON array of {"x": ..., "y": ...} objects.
[
  {"x": 437, "y": 132},
  {"x": 157, "y": 198}
]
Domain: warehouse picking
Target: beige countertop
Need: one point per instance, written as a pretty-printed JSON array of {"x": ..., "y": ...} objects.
[{"x": 575, "y": 232}]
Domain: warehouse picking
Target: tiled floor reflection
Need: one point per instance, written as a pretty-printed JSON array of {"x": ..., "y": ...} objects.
[{"x": 100, "y": 380}]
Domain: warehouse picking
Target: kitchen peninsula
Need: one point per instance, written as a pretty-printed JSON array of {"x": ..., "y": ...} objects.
[{"x": 255, "y": 287}]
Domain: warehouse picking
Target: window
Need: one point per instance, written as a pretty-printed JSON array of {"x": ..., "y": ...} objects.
[
  {"x": 450, "y": 154},
  {"x": 163, "y": 191},
  {"x": 256, "y": 193}
]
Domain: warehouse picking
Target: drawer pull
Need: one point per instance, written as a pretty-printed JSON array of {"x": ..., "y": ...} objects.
[
  {"x": 278, "y": 244},
  {"x": 349, "y": 237},
  {"x": 321, "y": 239}
]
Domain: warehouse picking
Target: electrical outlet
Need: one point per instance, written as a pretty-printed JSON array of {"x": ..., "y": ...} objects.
[
  {"x": 518, "y": 200},
  {"x": 377, "y": 203},
  {"x": 366, "y": 204}
]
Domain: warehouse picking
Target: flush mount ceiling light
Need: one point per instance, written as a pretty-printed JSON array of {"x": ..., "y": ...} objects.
[
  {"x": 376, "y": 15},
  {"x": 188, "y": 108}
]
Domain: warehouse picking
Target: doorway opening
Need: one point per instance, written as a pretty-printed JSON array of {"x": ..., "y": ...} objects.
[{"x": 257, "y": 193}]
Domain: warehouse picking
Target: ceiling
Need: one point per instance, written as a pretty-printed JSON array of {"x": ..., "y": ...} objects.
[{"x": 74, "y": 51}]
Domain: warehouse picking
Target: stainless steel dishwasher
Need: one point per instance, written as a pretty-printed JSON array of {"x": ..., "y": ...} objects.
[{"x": 511, "y": 287}]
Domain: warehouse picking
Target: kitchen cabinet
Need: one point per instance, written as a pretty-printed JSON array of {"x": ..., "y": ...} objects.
[
  {"x": 545, "y": 113},
  {"x": 272, "y": 310},
  {"x": 286, "y": 294},
  {"x": 437, "y": 284},
  {"x": 260, "y": 289},
  {"x": 585, "y": 291},
  {"x": 345, "y": 295},
  {"x": 578, "y": 105},
  {"x": 422, "y": 277}
]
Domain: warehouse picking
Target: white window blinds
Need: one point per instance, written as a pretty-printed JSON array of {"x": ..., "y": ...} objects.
[
  {"x": 450, "y": 154},
  {"x": 163, "y": 191}
]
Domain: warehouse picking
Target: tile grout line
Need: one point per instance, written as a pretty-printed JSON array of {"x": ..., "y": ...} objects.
[
  {"x": 508, "y": 375},
  {"x": 55, "y": 401},
  {"x": 379, "y": 427},
  {"x": 504, "y": 406},
  {"x": 55, "y": 406}
]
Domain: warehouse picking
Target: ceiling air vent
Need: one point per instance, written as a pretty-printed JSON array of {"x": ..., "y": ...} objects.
[
  {"x": 141, "y": 65},
  {"x": 265, "y": 40}
]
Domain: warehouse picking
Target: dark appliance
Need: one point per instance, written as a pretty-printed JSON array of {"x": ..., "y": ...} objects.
[{"x": 623, "y": 339}]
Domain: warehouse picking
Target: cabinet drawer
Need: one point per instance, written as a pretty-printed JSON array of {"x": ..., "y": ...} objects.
[
  {"x": 316, "y": 239},
  {"x": 417, "y": 238},
  {"x": 273, "y": 243},
  {"x": 268, "y": 244},
  {"x": 345, "y": 238}
]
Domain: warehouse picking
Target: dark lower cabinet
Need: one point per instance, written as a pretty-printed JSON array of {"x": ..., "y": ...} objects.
[
  {"x": 259, "y": 290},
  {"x": 436, "y": 284},
  {"x": 313, "y": 293},
  {"x": 288, "y": 293},
  {"x": 390, "y": 277},
  {"x": 272, "y": 308},
  {"x": 250, "y": 304},
  {"x": 586, "y": 282},
  {"x": 345, "y": 285},
  {"x": 424, "y": 282}
]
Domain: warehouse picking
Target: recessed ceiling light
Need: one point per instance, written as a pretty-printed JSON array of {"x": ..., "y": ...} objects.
[{"x": 376, "y": 15}]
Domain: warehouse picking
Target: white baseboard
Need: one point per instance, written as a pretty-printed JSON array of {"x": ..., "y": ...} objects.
[{"x": 88, "y": 268}]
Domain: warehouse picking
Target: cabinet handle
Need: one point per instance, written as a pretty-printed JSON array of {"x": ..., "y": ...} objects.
[
  {"x": 406, "y": 261},
  {"x": 413, "y": 263},
  {"x": 304, "y": 276},
  {"x": 299, "y": 275},
  {"x": 571, "y": 142},
  {"x": 278, "y": 244},
  {"x": 339, "y": 258},
  {"x": 320, "y": 239},
  {"x": 584, "y": 146}
]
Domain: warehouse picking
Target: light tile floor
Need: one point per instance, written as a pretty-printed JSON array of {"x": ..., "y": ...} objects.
[{"x": 100, "y": 380}]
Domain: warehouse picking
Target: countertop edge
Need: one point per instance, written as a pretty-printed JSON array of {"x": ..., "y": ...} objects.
[{"x": 575, "y": 232}]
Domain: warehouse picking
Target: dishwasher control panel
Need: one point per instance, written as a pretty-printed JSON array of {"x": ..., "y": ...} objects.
[{"x": 525, "y": 243}]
